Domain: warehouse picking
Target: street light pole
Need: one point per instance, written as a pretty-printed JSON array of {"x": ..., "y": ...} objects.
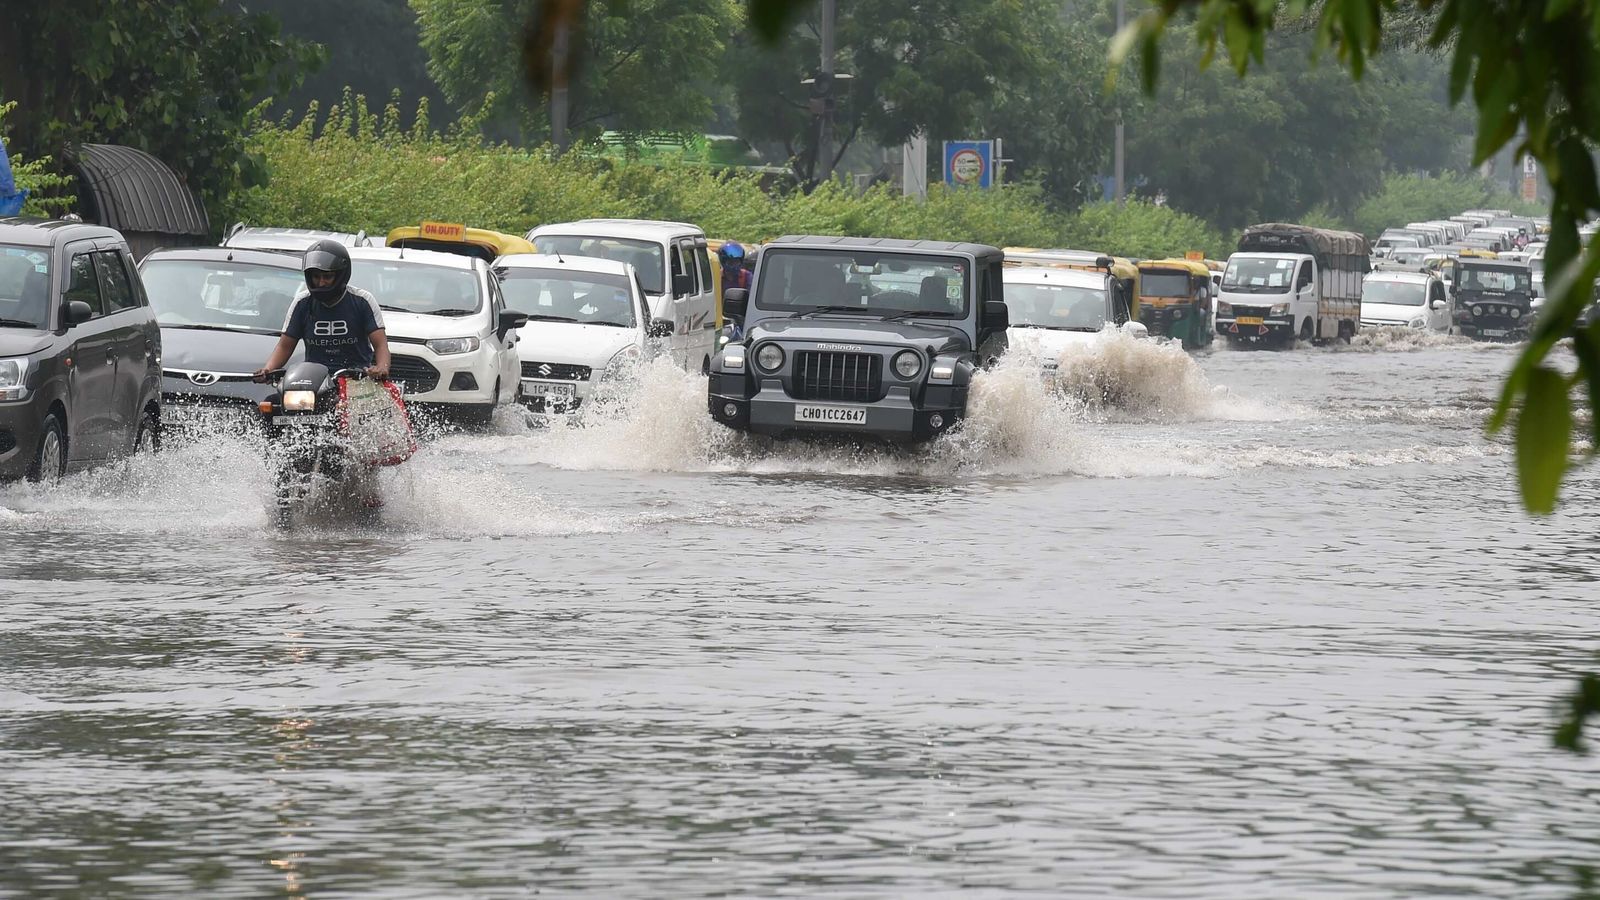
[
  {"x": 559, "y": 51},
  {"x": 825, "y": 75},
  {"x": 1121, "y": 191}
]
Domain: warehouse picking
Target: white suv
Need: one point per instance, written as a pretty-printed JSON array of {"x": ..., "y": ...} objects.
[
  {"x": 588, "y": 322},
  {"x": 452, "y": 343}
]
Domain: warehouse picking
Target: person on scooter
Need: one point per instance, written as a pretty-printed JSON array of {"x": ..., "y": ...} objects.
[
  {"x": 342, "y": 326},
  {"x": 734, "y": 274}
]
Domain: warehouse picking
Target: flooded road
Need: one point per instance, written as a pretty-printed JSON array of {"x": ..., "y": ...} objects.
[{"x": 1285, "y": 632}]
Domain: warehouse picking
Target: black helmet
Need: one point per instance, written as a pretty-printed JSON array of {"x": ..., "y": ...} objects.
[{"x": 327, "y": 256}]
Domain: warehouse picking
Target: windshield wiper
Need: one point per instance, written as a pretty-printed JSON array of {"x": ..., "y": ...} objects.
[
  {"x": 610, "y": 323},
  {"x": 200, "y": 326},
  {"x": 450, "y": 312},
  {"x": 943, "y": 314},
  {"x": 542, "y": 317},
  {"x": 17, "y": 323},
  {"x": 822, "y": 309}
]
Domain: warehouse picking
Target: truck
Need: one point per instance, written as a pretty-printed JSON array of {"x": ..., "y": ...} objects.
[{"x": 1292, "y": 283}]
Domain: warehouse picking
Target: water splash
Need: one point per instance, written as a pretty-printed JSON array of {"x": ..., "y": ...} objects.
[{"x": 1120, "y": 377}]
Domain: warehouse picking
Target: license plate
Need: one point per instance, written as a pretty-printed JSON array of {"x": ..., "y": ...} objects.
[
  {"x": 831, "y": 415},
  {"x": 307, "y": 419},
  {"x": 1250, "y": 320},
  {"x": 546, "y": 389},
  {"x": 1495, "y": 332}
]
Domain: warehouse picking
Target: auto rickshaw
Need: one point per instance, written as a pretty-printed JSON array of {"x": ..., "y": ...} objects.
[
  {"x": 453, "y": 237},
  {"x": 1175, "y": 300},
  {"x": 1121, "y": 269}
]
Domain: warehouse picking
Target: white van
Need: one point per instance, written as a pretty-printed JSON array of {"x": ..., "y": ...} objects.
[{"x": 674, "y": 266}]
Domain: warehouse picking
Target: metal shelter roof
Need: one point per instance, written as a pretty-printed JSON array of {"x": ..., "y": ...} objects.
[{"x": 134, "y": 191}]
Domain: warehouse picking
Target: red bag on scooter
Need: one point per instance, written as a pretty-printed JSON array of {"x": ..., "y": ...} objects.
[{"x": 372, "y": 417}]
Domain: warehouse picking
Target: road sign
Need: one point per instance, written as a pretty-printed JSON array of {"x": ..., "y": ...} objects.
[{"x": 969, "y": 163}]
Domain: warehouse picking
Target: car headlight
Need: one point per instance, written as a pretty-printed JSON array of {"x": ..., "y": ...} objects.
[
  {"x": 13, "y": 375},
  {"x": 907, "y": 364},
  {"x": 769, "y": 358},
  {"x": 452, "y": 346},
  {"x": 299, "y": 401},
  {"x": 1224, "y": 309},
  {"x": 1419, "y": 322},
  {"x": 1477, "y": 310},
  {"x": 620, "y": 361},
  {"x": 1282, "y": 309},
  {"x": 733, "y": 359},
  {"x": 1177, "y": 313}
]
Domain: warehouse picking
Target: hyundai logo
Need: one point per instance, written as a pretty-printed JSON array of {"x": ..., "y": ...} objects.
[
  {"x": 203, "y": 378},
  {"x": 545, "y": 370}
]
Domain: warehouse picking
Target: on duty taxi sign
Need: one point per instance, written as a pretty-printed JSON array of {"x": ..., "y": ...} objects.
[{"x": 444, "y": 231}]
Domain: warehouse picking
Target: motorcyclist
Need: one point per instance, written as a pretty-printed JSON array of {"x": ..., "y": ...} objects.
[
  {"x": 734, "y": 274},
  {"x": 342, "y": 326}
]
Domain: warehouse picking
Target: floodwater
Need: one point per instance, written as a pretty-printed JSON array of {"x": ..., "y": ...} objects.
[{"x": 1279, "y": 629}]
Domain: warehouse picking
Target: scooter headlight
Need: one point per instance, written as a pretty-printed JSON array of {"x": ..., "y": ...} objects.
[{"x": 299, "y": 401}]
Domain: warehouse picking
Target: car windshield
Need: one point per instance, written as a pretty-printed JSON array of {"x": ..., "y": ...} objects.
[
  {"x": 647, "y": 257},
  {"x": 1474, "y": 278},
  {"x": 1394, "y": 293},
  {"x": 1163, "y": 284},
  {"x": 1255, "y": 275},
  {"x": 863, "y": 281},
  {"x": 190, "y": 293},
  {"x": 590, "y": 297},
  {"x": 418, "y": 287},
  {"x": 24, "y": 287},
  {"x": 1067, "y": 307}
]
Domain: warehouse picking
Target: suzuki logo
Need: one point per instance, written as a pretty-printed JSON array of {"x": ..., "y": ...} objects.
[
  {"x": 203, "y": 378},
  {"x": 545, "y": 370}
]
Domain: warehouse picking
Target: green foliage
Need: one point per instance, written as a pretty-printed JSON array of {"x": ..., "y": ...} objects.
[
  {"x": 641, "y": 65},
  {"x": 174, "y": 79},
  {"x": 1145, "y": 230},
  {"x": 47, "y": 190}
]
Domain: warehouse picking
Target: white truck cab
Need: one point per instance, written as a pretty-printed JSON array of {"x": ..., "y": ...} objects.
[{"x": 674, "y": 266}]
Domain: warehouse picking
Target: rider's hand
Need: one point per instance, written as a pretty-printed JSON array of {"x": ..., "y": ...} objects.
[
  {"x": 261, "y": 376},
  {"x": 380, "y": 373}
]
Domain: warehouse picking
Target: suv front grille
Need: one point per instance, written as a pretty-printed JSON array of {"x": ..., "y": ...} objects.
[
  {"x": 852, "y": 377},
  {"x": 416, "y": 374},
  {"x": 555, "y": 371}
]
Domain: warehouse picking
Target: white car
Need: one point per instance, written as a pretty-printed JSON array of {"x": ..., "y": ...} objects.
[
  {"x": 1405, "y": 299},
  {"x": 288, "y": 240},
  {"x": 452, "y": 342},
  {"x": 1061, "y": 308},
  {"x": 588, "y": 321},
  {"x": 675, "y": 268}
]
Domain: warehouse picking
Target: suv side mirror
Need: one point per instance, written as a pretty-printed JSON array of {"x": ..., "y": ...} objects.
[
  {"x": 682, "y": 285},
  {"x": 660, "y": 328},
  {"x": 508, "y": 321},
  {"x": 76, "y": 312},
  {"x": 735, "y": 301},
  {"x": 996, "y": 316},
  {"x": 1436, "y": 304}
]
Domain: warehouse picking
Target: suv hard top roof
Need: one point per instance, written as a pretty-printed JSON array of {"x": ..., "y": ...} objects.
[
  {"x": 831, "y": 242},
  {"x": 229, "y": 255},
  {"x": 645, "y": 229},
  {"x": 35, "y": 232}
]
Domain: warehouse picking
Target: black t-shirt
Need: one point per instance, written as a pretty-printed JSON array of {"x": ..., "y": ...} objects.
[{"x": 336, "y": 335}]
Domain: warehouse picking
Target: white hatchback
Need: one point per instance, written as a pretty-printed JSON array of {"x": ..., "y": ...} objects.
[
  {"x": 588, "y": 322},
  {"x": 452, "y": 343}
]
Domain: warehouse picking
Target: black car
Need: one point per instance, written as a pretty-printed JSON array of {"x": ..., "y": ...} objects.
[
  {"x": 80, "y": 353},
  {"x": 860, "y": 336},
  {"x": 1493, "y": 299},
  {"x": 221, "y": 312}
]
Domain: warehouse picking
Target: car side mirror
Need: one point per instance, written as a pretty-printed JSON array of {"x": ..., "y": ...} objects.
[
  {"x": 76, "y": 312},
  {"x": 996, "y": 317},
  {"x": 1135, "y": 329},
  {"x": 508, "y": 321},
  {"x": 1436, "y": 304},
  {"x": 682, "y": 285},
  {"x": 660, "y": 328},
  {"x": 735, "y": 301}
]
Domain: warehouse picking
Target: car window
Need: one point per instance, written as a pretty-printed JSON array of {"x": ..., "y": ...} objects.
[
  {"x": 683, "y": 254},
  {"x": 702, "y": 258},
  {"x": 83, "y": 283},
  {"x": 1304, "y": 277},
  {"x": 25, "y": 285},
  {"x": 115, "y": 288}
]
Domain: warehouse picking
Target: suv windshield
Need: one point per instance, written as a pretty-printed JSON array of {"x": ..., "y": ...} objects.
[
  {"x": 418, "y": 287},
  {"x": 863, "y": 281},
  {"x": 1066, "y": 307},
  {"x": 1476, "y": 278},
  {"x": 646, "y": 257},
  {"x": 1258, "y": 276},
  {"x": 190, "y": 293},
  {"x": 554, "y": 295},
  {"x": 1395, "y": 293},
  {"x": 24, "y": 287}
]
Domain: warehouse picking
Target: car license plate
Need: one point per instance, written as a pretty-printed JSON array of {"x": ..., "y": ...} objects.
[
  {"x": 307, "y": 419},
  {"x": 546, "y": 389},
  {"x": 1495, "y": 332},
  {"x": 1249, "y": 320},
  {"x": 831, "y": 415}
]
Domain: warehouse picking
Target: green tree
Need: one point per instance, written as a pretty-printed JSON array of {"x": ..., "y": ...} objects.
[
  {"x": 174, "y": 78},
  {"x": 640, "y": 66}
]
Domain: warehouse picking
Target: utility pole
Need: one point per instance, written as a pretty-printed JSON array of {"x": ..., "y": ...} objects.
[
  {"x": 560, "y": 49},
  {"x": 825, "y": 88},
  {"x": 1121, "y": 189}
]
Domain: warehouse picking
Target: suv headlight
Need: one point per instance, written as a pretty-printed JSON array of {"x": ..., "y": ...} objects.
[
  {"x": 907, "y": 364},
  {"x": 453, "y": 346},
  {"x": 733, "y": 358},
  {"x": 13, "y": 378},
  {"x": 769, "y": 358}
]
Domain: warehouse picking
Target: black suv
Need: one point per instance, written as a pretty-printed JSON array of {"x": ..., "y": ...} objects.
[
  {"x": 1493, "y": 299},
  {"x": 860, "y": 336},
  {"x": 80, "y": 353}
]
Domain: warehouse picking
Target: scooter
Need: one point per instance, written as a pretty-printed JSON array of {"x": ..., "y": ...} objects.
[{"x": 308, "y": 438}]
